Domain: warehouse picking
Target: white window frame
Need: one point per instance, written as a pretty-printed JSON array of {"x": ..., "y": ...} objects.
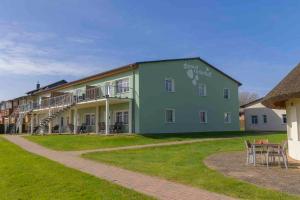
[
  {"x": 124, "y": 87},
  {"x": 172, "y": 84},
  {"x": 229, "y": 117},
  {"x": 206, "y": 119},
  {"x": 204, "y": 90},
  {"x": 252, "y": 119},
  {"x": 228, "y": 93},
  {"x": 173, "y": 115},
  {"x": 122, "y": 116},
  {"x": 282, "y": 121},
  {"x": 265, "y": 121},
  {"x": 90, "y": 114}
]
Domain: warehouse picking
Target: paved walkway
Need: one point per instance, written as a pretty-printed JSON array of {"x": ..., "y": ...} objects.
[
  {"x": 152, "y": 186},
  {"x": 144, "y": 146}
]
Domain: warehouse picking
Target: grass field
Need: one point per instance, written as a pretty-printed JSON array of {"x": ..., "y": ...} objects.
[
  {"x": 27, "y": 176},
  {"x": 82, "y": 142},
  {"x": 184, "y": 163}
]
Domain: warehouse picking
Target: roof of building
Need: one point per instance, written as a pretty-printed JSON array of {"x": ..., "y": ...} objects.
[
  {"x": 252, "y": 103},
  {"x": 46, "y": 87},
  {"x": 128, "y": 68},
  {"x": 288, "y": 88}
]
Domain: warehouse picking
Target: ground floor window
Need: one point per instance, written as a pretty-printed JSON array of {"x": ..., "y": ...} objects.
[
  {"x": 227, "y": 118},
  {"x": 121, "y": 117},
  {"x": 170, "y": 115},
  {"x": 265, "y": 119},
  {"x": 254, "y": 119},
  {"x": 284, "y": 119},
  {"x": 90, "y": 119},
  {"x": 203, "y": 116}
]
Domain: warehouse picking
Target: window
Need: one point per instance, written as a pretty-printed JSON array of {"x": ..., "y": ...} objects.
[
  {"x": 227, "y": 118},
  {"x": 203, "y": 116},
  {"x": 284, "y": 119},
  {"x": 170, "y": 116},
  {"x": 119, "y": 117},
  {"x": 202, "y": 90},
  {"x": 170, "y": 85},
  {"x": 226, "y": 93},
  {"x": 125, "y": 117},
  {"x": 122, "y": 85},
  {"x": 122, "y": 117},
  {"x": 254, "y": 119},
  {"x": 265, "y": 119},
  {"x": 90, "y": 119}
]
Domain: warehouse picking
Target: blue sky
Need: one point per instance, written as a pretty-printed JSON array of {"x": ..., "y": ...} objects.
[{"x": 256, "y": 42}]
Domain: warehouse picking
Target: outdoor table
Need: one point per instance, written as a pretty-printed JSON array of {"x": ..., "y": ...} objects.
[{"x": 261, "y": 145}]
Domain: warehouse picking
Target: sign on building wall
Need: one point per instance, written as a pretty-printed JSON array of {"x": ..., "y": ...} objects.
[{"x": 195, "y": 71}]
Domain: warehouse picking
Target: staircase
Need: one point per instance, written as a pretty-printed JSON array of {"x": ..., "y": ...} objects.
[
  {"x": 43, "y": 125},
  {"x": 12, "y": 128}
]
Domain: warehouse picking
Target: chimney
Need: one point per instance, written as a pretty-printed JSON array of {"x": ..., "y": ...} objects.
[{"x": 38, "y": 85}]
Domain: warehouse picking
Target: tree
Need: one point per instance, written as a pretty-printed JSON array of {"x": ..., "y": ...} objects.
[{"x": 246, "y": 97}]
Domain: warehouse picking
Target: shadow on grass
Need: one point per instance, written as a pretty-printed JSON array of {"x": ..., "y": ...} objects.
[{"x": 202, "y": 135}]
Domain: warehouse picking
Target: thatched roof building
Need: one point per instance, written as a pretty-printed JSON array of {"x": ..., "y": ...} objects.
[{"x": 288, "y": 88}]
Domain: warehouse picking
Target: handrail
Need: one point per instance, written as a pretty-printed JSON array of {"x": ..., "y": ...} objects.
[{"x": 94, "y": 93}]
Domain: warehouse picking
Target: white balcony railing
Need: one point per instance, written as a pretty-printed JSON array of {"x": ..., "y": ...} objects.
[{"x": 90, "y": 94}]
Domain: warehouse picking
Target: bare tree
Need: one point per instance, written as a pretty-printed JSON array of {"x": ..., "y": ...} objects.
[{"x": 246, "y": 97}]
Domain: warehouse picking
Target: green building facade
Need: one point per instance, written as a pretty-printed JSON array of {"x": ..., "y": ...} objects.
[{"x": 166, "y": 96}]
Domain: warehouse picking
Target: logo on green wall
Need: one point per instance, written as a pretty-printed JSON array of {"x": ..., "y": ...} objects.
[{"x": 194, "y": 71}]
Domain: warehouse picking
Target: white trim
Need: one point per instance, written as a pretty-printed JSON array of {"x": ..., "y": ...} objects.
[
  {"x": 229, "y": 121},
  {"x": 122, "y": 111},
  {"x": 224, "y": 93},
  {"x": 116, "y": 86},
  {"x": 206, "y": 119},
  {"x": 84, "y": 118},
  {"x": 172, "y": 82},
  {"x": 173, "y": 115}
]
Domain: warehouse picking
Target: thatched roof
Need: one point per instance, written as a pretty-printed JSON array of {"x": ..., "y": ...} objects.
[{"x": 288, "y": 88}]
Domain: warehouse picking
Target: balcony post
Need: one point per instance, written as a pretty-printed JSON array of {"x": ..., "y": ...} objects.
[
  {"x": 75, "y": 120},
  {"x": 130, "y": 117},
  {"x": 20, "y": 123},
  {"x": 50, "y": 123},
  {"x": 97, "y": 119},
  {"x": 32, "y": 123},
  {"x": 107, "y": 116}
]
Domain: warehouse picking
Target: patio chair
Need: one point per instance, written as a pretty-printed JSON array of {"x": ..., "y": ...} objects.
[
  {"x": 101, "y": 126},
  {"x": 118, "y": 127},
  {"x": 250, "y": 152},
  {"x": 278, "y": 152},
  {"x": 263, "y": 150},
  {"x": 83, "y": 128},
  {"x": 71, "y": 128},
  {"x": 55, "y": 129}
]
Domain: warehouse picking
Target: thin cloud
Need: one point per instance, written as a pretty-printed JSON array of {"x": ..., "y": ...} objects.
[
  {"x": 80, "y": 40},
  {"x": 24, "y": 53}
]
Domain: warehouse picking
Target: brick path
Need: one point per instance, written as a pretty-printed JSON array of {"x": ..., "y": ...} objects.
[
  {"x": 152, "y": 186},
  {"x": 144, "y": 146}
]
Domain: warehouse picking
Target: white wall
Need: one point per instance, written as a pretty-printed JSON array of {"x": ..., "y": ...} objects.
[
  {"x": 293, "y": 113},
  {"x": 274, "y": 118}
]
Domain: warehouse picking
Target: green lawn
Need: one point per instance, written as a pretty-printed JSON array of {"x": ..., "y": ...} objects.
[
  {"x": 184, "y": 163},
  {"x": 82, "y": 142},
  {"x": 27, "y": 176}
]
